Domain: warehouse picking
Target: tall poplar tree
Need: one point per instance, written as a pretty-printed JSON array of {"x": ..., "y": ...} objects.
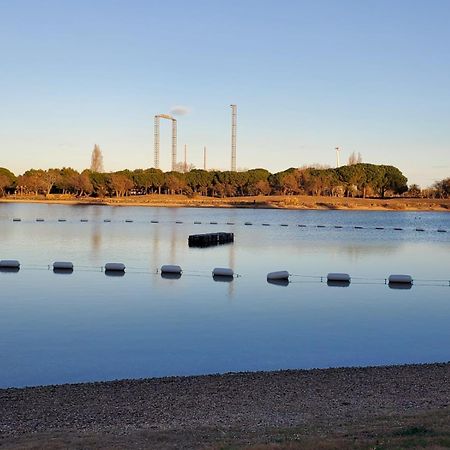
[{"x": 97, "y": 160}]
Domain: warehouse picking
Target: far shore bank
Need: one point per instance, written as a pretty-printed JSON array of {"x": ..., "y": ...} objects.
[
  {"x": 400, "y": 406},
  {"x": 295, "y": 202}
]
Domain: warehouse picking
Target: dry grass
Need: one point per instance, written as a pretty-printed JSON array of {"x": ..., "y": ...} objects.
[{"x": 426, "y": 431}]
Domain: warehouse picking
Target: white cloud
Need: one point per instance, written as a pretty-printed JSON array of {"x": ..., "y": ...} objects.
[{"x": 180, "y": 110}]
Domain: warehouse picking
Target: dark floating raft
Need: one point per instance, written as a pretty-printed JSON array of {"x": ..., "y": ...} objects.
[{"x": 209, "y": 239}]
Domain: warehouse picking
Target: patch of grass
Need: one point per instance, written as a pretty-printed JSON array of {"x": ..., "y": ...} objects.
[
  {"x": 413, "y": 431},
  {"x": 398, "y": 206},
  {"x": 327, "y": 205}
]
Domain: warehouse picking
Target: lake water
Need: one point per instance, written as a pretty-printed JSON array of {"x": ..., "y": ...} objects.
[{"x": 87, "y": 326}]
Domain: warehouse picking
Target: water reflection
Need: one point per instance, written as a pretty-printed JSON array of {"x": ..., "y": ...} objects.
[
  {"x": 231, "y": 265},
  {"x": 9, "y": 269},
  {"x": 400, "y": 285},
  {"x": 170, "y": 276},
  {"x": 283, "y": 282},
  {"x": 114, "y": 273},
  {"x": 335, "y": 283},
  {"x": 173, "y": 245},
  {"x": 223, "y": 279},
  {"x": 96, "y": 237},
  {"x": 62, "y": 271},
  {"x": 156, "y": 259},
  {"x": 96, "y": 240}
]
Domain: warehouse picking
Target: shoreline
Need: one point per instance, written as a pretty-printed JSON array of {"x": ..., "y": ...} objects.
[
  {"x": 258, "y": 202},
  {"x": 234, "y": 410}
]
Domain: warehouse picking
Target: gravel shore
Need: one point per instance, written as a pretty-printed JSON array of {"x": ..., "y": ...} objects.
[{"x": 210, "y": 405}]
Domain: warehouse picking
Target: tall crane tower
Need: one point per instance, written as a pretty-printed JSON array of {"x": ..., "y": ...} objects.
[
  {"x": 174, "y": 139},
  {"x": 233, "y": 136}
]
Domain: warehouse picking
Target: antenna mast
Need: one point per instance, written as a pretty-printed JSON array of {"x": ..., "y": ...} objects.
[{"x": 204, "y": 158}]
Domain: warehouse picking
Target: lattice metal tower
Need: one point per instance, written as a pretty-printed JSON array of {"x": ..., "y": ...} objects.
[
  {"x": 174, "y": 143},
  {"x": 174, "y": 139},
  {"x": 156, "y": 142},
  {"x": 233, "y": 136}
]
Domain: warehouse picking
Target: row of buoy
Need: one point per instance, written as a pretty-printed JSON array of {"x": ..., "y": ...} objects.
[
  {"x": 337, "y": 277},
  {"x": 68, "y": 266},
  {"x": 284, "y": 275},
  {"x": 196, "y": 222},
  {"x": 172, "y": 271},
  {"x": 218, "y": 271}
]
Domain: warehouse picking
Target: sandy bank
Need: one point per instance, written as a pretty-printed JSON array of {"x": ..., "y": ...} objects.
[
  {"x": 268, "y": 202},
  {"x": 253, "y": 408}
]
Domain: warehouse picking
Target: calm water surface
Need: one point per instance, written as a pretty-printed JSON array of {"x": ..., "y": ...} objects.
[{"x": 87, "y": 326}]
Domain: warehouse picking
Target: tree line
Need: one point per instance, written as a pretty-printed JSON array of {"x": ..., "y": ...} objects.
[{"x": 356, "y": 180}]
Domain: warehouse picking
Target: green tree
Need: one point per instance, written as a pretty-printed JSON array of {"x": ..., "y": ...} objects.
[
  {"x": 392, "y": 181},
  {"x": 414, "y": 191},
  {"x": 224, "y": 183},
  {"x": 100, "y": 183},
  {"x": 353, "y": 176},
  {"x": 199, "y": 180},
  {"x": 174, "y": 182},
  {"x": 157, "y": 178},
  {"x": 84, "y": 184},
  {"x": 261, "y": 187},
  {"x": 285, "y": 182},
  {"x": 141, "y": 181},
  {"x": 33, "y": 181},
  {"x": 442, "y": 188},
  {"x": 257, "y": 181},
  {"x": 4, "y": 183},
  {"x": 120, "y": 183},
  {"x": 7, "y": 180},
  {"x": 67, "y": 180}
]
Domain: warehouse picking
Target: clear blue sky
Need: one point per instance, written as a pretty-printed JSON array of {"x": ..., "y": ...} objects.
[{"x": 368, "y": 76}]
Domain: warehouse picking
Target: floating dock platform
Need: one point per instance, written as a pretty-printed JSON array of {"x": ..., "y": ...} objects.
[{"x": 209, "y": 239}]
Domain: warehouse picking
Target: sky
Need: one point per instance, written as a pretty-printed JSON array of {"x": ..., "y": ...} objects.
[{"x": 307, "y": 76}]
